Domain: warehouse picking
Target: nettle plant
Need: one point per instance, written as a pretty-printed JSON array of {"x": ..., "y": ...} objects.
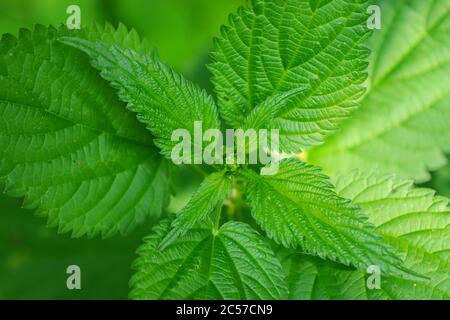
[{"x": 86, "y": 123}]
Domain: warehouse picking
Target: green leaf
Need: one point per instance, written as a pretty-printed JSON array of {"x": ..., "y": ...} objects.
[
  {"x": 234, "y": 262},
  {"x": 311, "y": 278},
  {"x": 121, "y": 36},
  {"x": 263, "y": 114},
  {"x": 67, "y": 144},
  {"x": 298, "y": 207},
  {"x": 213, "y": 190},
  {"x": 402, "y": 126},
  {"x": 412, "y": 220},
  {"x": 399, "y": 210},
  {"x": 273, "y": 47},
  {"x": 162, "y": 98}
]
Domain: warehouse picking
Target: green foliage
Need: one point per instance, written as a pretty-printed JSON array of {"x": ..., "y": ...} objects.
[
  {"x": 76, "y": 153},
  {"x": 412, "y": 220},
  {"x": 67, "y": 144},
  {"x": 233, "y": 262},
  {"x": 312, "y": 278},
  {"x": 163, "y": 99},
  {"x": 298, "y": 207},
  {"x": 403, "y": 122},
  {"x": 211, "y": 193},
  {"x": 276, "y": 46}
]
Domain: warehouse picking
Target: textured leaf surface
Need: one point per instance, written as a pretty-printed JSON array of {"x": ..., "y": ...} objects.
[
  {"x": 311, "y": 278},
  {"x": 299, "y": 207},
  {"x": 402, "y": 126},
  {"x": 67, "y": 144},
  {"x": 213, "y": 190},
  {"x": 273, "y": 47},
  {"x": 233, "y": 263},
  {"x": 412, "y": 220},
  {"x": 162, "y": 98}
]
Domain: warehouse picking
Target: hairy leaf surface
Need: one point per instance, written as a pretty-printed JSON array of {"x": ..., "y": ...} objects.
[
  {"x": 299, "y": 207},
  {"x": 412, "y": 220},
  {"x": 211, "y": 193},
  {"x": 162, "y": 98},
  {"x": 233, "y": 262},
  {"x": 271, "y": 47},
  {"x": 67, "y": 144}
]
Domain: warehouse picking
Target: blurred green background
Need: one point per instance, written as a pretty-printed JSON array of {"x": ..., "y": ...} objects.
[
  {"x": 181, "y": 30},
  {"x": 33, "y": 258}
]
